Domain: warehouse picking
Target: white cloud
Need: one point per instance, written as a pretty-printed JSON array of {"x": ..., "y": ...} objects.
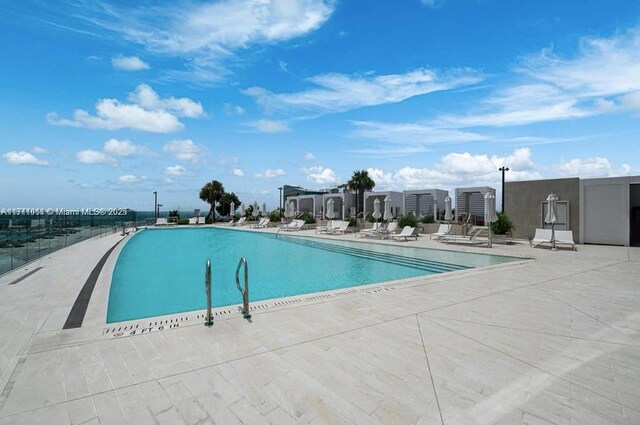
[
  {"x": 591, "y": 167},
  {"x": 207, "y": 34},
  {"x": 233, "y": 109},
  {"x": 185, "y": 150},
  {"x": 432, "y": 3},
  {"x": 130, "y": 179},
  {"x": 238, "y": 172},
  {"x": 89, "y": 156},
  {"x": 458, "y": 170},
  {"x": 39, "y": 150},
  {"x": 603, "y": 73},
  {"x": 271, "y": 173},
  {"x": 148, "y": 112},
  {"x": 268, "y": 126},
  {"x": 146, "y": 97},
  {"x": 217, "y": 28},
  {"x": 603, "y": 66},
  {"x": 23, "y": 158},
  {"x": 309, "y": 156},
  {"x": 321, "y": 175},
  {"x": 176, "y": 170},
  {"x": 412, "y": 133},
  {"x": 129, "y": 63},
  {"x": 340, "y": 92},
  {"x": 631, "y": 100},
  {"x": 123, "y": 148}
]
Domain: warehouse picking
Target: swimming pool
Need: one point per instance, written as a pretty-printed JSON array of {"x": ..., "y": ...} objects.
[{"x": 161, "y": 271}]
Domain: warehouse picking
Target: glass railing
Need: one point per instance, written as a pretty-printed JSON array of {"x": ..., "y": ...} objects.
[{"x": 27, "y": 237}]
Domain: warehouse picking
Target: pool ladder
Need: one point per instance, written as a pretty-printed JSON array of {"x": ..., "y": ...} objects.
[
  {"x": 207, "y": 286},
  {"x": 245, "y": 292}
]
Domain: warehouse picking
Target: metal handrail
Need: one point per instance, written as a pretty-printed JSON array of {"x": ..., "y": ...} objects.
[
  {"x": 207, "y": 285},
  {"x": 245, "y": 291}
]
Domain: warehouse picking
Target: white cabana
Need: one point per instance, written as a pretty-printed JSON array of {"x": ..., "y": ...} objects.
[
  {"x": 395, "y": 198},
  {"x": 311, "y": 204},
  {"x": 424, "y": 201},
  {"x": 343, "y": 203},
  {"x": 470, "y": 201}
]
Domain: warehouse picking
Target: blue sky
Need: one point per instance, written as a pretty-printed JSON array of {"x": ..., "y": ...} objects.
[{"x": 102, "y": 103}]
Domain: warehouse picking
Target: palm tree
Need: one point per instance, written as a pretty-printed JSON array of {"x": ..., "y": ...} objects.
[
  {"x": 224, "y": 208},
  {"x": 211, "y": 193},
  {"x": 360, "y": 182}
]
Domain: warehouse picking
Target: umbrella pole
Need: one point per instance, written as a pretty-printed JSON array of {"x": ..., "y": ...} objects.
[
  {"x": 554, "y": 247},
  {"x": 489, "y": 242}
]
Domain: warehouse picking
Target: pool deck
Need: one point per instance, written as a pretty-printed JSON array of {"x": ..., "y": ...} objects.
[{"x": 554, "y": 340}]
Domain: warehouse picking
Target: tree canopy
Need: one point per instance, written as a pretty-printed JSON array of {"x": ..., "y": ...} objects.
[
  {"x": 211, "y": 193},
  {"x": 224, "y": 206},
  {"x": 360, "y": 182}
]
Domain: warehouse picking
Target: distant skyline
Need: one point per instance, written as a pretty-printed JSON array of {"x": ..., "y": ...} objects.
[{"x": 103, "y": 103}]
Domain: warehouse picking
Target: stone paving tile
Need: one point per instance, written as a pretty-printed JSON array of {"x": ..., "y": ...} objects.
[
  {"x": 554, "y": 340},
  {"x": 109, "y": 409},
  {"x": 561, "y": 384}
]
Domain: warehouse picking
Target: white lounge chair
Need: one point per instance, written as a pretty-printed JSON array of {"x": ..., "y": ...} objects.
[
  {"x": 565, "y": 237},
  {"x": 380, "y": 232},
  {"x": 542, "y": 236},
  {"x": 264, "y": 222},
  {"x": 294, "y": 225},
  {"x": 406, "y": 233},
  {"x": 162, "y": 222},
  {"x": 240, "y": 221},
  {"x": 341, "y": 229},
  {"x": 443, "y": 230},
  {"x": 331, "y": 224},
  {"x": 471, "y": 238},
  {"x": 193, "y": 220}
]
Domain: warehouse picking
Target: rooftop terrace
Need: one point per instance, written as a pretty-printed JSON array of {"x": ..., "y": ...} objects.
[{"x": 550, "y": 341}]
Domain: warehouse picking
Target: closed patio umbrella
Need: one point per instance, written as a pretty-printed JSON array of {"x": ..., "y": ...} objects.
[
  {"x": 489, "y": 213},
  {"x": 552, "y": 217},
  {"x": 331, "y": 212},
  {"x": 376, "y": 209},
  {"x": 256, "y": 210},
  {"x": 387, "y": 209},
  {"x": 448, "y": 214},
  {"x": 241, "y": 209},
  {"x": 232, "y": 209},
  {"x": 264, "y": 209},
  {"x": 291, "y": 210}
]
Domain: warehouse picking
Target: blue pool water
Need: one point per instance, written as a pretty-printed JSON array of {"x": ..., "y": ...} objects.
[{"x": 161, "y": 271}]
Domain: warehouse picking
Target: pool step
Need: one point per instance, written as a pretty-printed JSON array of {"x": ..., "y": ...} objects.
[{"x": 417, "y": 263}]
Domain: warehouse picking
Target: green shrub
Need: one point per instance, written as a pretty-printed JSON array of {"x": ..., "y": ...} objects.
[
  {"x": 183, "y": 221},
  {"x": 275, "y": 217},
  {"x": 503, "y": 225},
  {"x": 407, "y": 220},
  {"x": 353, "y": 222},
  {"x": 308, "y": 218},
  {"x": 174, "y": 213},
  {"x": 427, "y": 219}
]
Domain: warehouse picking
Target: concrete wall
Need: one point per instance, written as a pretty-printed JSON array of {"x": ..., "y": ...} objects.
[
  {"x": 523, "y": 200},
  {"x": 605, "y": 210}
]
